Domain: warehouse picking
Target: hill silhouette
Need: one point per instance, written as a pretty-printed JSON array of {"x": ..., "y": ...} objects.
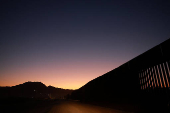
[{"x": 34, "y": 90}]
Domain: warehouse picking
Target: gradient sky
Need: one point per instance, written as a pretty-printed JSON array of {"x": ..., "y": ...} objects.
[{"x": 66, "y": 43}]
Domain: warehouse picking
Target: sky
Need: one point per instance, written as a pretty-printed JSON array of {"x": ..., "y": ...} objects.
[{"x": 66, "y": 43}]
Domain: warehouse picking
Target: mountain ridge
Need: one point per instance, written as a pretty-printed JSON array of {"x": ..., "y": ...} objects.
[{"x": 34, "y": 90}]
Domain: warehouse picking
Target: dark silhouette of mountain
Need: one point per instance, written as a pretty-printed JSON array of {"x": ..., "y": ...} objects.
[{"x": 34, "y": 90}]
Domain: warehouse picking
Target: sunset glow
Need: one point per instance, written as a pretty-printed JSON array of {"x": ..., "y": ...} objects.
[
  {"x": 68, "y": 76},
  {"x": 66, "y": 44}
]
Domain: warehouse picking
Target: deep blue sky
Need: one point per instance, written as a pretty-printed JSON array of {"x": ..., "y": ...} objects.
[{"x": 66, "y": 43}]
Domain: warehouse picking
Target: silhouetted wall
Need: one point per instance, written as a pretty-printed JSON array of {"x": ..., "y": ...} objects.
[{"x": 143, "y": 80}]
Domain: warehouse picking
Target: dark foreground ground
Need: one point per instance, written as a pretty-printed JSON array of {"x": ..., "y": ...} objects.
[
  {"x": 77, "y": 107},
  {"x": 24, "y": 105},
  {"x": 51, "y": 106},
  {"x": 62, "y": 106}
]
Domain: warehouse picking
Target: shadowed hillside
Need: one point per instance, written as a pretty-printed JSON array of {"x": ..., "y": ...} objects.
[{"x": 33, "y": 90}]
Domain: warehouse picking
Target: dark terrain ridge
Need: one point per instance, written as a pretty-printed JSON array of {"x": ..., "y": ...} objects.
[
  {"x": 30, "y": 97},
  {"x": 34, "y": 90}
]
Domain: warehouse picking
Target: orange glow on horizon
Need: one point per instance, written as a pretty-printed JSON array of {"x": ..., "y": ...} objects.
[{"x": 66, "y": 77}]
